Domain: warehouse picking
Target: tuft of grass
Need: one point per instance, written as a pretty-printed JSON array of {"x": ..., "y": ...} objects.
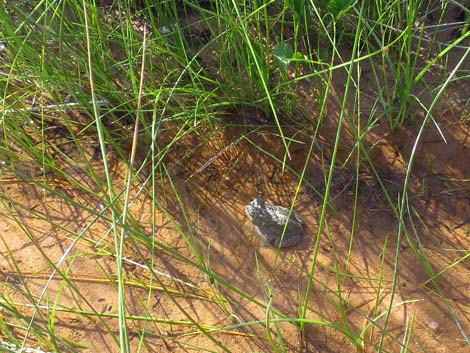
[{"x": 98, "y": 99}]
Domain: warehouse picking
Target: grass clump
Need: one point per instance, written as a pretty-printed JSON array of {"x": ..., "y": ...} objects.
[{"x": 118, "y": 116}]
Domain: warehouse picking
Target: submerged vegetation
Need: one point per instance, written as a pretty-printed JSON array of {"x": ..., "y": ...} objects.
[{"x": 108, "y": 108}]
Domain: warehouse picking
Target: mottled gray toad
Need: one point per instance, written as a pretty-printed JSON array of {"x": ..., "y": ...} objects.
[{"x": 270, "y": 221}]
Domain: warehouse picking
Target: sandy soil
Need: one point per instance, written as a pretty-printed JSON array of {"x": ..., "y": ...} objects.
[{"x": 226, "y": 172}]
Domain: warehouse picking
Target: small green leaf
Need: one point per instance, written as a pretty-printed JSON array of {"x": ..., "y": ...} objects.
[
  {"x": 283, "y": 54},
  {"x": 298, "y": 57},
  {"x": 338, "y": 8},
  {"x": 323, "y": 54}
]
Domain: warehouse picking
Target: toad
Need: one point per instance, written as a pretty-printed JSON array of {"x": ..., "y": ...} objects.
[{"x": 270, "y": 220}]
